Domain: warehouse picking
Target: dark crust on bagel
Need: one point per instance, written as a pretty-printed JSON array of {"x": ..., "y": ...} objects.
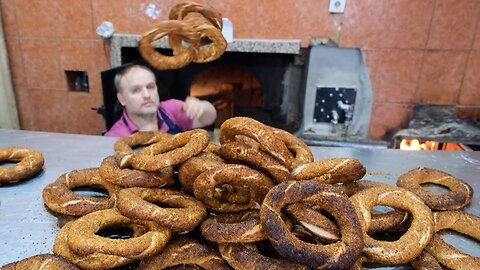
[
  {"x": 459, "y": 196},
  {"x": 59, "y": 197},
  {"x": 239, "y": 227},
  {"x": 337, "y": 255},
  {"x": 40, "y": 262},
  {"x": 29, "y": 163},
  {"x": 185, "y": 214},
  {"x": 246, "y": 256},
  {"x": 184, "y": 251},
  {"x": 315, "y": 223}
]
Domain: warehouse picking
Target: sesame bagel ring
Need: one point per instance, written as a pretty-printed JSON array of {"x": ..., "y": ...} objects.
[
  {"x": 42, "y": 261},
  {"x": 162, "y": 29},
  {"x": 181, "y": 10},
  {"x": 246, "y": 256},
  {"x": 215, "y": 42},
  {"x": 446, "y": 254},
  {"x": 336, "y": 255},
  {"x": 90, "y": 261},
  {"x": 173, "y": 151},
  {"x": 182, "y": 252},
  {"x": 459, "y": 196},
  {"x": 330, "y": 171},
  {"x": 194, "y": 166},
  {"x": 126, "y": 144},
  {"x": 392, "y": 221},
  {"x": 59, "y": 197},
  {"x": 179, "y": 212},
  {"x": 412, "y": 242},
  {"x": 238, "y": 227},
  {"x": 257, "y": 159},
  {"x": 301, "y": 153},
  {"x": 213, "y": 185},
  {"x": 259, "y": 132},
  {"x": 82, "y": 238},
  {"x": 28, "y": 163},
  {"x": 110, "y": 170}
]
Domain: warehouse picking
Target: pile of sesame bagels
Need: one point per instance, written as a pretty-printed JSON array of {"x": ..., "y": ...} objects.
[{"x": 257, "y": 200}]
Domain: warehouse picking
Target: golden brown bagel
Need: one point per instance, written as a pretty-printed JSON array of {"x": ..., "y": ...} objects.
[
  {"x": 412, "y": 242},
  {"x": 162, "y": 29},
  {"x": 59, "y": 197},
  {"x": 446, "y": 254},
  {"x": 28, "y": 163},
  {"x": 459, "y": 196}
]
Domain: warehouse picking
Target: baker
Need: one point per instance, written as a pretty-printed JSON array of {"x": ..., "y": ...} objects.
[{"x": 143, "y": 111}]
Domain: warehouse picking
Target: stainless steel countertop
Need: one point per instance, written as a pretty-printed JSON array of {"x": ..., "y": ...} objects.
[{"x": 27, "y": 229}]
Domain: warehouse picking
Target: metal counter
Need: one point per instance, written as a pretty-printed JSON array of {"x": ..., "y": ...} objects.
[{"x": 27, "y": 228}]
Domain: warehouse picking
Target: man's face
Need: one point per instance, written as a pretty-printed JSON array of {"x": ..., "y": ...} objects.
[{"x": 138, "y": 92}]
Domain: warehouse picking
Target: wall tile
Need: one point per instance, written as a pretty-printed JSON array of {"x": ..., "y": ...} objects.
[
  {"x": 394, "y": 74},
  {"x": 81, "y": 105},
  {"x": 276, "y": 21},
  {"x": 408, "y": 24},
  {"x": 386, "y": 24},
  {"x": 41, "y": 60},
  {"x": 470, "y": 92},
  {"x": 17, "y": 68},
  {"x": 453, "y": 24},
  {"x": 388, "y": 118},
  {"x": 363, "y": 25},
  {"x": 55, "y": 18},
  {"x": 53, "y": 105},
  {"x": 441, "y": 77},
  {"x": 9, "y": 19},
  {"x": 320, "y": 23},
  {"x": 24, "y": 107}
]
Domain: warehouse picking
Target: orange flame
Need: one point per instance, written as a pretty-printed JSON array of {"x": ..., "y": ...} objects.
[{"x": 416, "y": 145}]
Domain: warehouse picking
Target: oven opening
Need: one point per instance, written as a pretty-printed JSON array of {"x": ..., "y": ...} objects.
[{"x": 418, "y": 145}]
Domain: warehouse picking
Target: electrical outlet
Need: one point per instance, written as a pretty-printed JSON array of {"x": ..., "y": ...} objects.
[{"x": 337, "y": 6}]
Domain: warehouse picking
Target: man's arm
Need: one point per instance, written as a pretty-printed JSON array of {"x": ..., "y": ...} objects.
[{"x": 201, "y": 112}]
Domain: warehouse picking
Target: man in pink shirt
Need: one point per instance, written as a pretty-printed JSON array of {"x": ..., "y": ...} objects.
[{"x": 143, "y": 111}]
